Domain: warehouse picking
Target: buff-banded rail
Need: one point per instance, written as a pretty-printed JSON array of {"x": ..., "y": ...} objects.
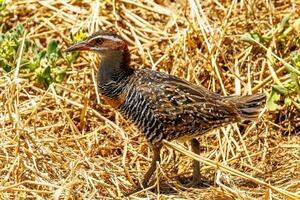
[{"x": 162, "y": 106}]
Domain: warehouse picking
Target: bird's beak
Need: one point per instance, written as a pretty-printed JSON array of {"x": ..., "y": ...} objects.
[{"x": 81, "y": 46}]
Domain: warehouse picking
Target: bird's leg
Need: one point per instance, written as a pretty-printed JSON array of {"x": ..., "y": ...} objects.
[
  {"x": 151, "y": 170},
  {"x": 197, "y": 179},
  {"x": 196, "y": 165}
]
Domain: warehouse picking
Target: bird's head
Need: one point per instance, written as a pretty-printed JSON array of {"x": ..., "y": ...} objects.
[{"x": 101, "y": 42}]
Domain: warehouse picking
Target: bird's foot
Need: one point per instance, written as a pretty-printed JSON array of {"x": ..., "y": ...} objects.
[
  {"x": 141, "y": 188},
  {"x": 133, "y": 191},
  {"x": 199, "y": 182},
  {"x": 195, "y": 182}
]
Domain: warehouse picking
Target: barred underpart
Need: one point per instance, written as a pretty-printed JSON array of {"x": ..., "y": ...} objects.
[{"x": 165, "y": 107}]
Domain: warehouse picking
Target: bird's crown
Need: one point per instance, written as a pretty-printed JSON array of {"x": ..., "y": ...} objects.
[{"x": 101, "y": 41}]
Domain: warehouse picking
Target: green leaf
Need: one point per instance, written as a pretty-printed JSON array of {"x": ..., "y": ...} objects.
[
  {"x": 298, "y": 42},
  {"x": 290, "y": 86},
  {"x": 19, "y": 30},
  {"x": 272, "y": 102},
  {"x": 288, "y": 101},
  {"x": 279, "y": 89},
  {"x": 35, "y": 50},
  {"x": 52, "y": 58},
  {"x": 42, "y": 54},
  {"x": 71, "y": 57},
  {"x": 282, "y": 37},
  {"x": 2, "y": 7},
  {"x": 283, "y": 24},
  {"x": 47, "y": 73},
  {"x": 52, "y": 47},
  {"x": 295, "y": 83},
  {"x": 59, "y": 74},
  {"x": 249, "y": 37},
  {"x": 31, "y": 65},
  {"x": 78, "y": 36},
  {"x": 27, "y": 45},
  {"x": 24, "y": 65},
  {"x": 296, "y": 59},
  {"x": 7, "y": 68},
  {"x": 43, "y": 76},
  {"x": 53, "y": 54}
]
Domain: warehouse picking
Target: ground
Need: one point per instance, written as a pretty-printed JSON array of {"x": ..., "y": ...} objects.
[{"x": 60, "y": 141}]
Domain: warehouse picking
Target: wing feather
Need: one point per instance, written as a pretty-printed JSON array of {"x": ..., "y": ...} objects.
[{"x": 176, "y": 100}]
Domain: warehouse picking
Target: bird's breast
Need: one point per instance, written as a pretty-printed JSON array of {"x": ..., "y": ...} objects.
[{"x": 114, "y": 102}]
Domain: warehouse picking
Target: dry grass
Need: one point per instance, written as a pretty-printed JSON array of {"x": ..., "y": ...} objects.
[{"x": 68, "y": 145}]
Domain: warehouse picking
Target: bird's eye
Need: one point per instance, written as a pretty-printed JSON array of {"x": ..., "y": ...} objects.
[{"x": 99, "y": 40}]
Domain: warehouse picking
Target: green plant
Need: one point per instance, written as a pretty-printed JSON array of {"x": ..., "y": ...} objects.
[
  {"x": 288, "y": 91},
  {"x": 249, "y": 37},
  {"x": 49, "y": 72},
  {"x": 75, "y": 38},
  {"x": 41, "y": 61},
  {"x": 9, "y": 44},
  {"x": 286, "y": 94},
  {"x": 2, "y": 8},
  {"x": 3, "y": 13}
]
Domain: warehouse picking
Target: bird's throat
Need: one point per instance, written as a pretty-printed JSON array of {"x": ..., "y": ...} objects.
[{"x": 113, "y": 71}]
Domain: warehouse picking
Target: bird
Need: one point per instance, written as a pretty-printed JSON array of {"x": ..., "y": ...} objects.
[{"x": 160, "y": 105}]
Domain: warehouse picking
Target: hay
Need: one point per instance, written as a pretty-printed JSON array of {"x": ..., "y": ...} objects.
[{"x": 68, "y": 145}]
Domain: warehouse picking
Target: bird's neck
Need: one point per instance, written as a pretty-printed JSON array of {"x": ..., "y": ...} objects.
[{"x": 113, "y": 72}]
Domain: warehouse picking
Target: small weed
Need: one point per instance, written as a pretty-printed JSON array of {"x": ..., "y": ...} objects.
[
  {"x": 9, "y": 44},
  {"x": 285, "y": 94},
  {"x": 43, "y": 62},
  {"x": 3, "y": 5},
  {"x": 49, "y": 72},
  {"x": 249, "y": 37},
  {"x": 75, "y": 38}
]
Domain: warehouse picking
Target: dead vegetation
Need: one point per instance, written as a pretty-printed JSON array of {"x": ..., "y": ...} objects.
[{"x": 61, "y": 142}]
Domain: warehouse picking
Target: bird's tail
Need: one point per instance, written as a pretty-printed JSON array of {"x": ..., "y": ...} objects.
[{"x": 249, "y": 106}]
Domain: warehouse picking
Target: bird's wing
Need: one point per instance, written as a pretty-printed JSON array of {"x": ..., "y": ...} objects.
[{"x": 178, "y": 103}]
